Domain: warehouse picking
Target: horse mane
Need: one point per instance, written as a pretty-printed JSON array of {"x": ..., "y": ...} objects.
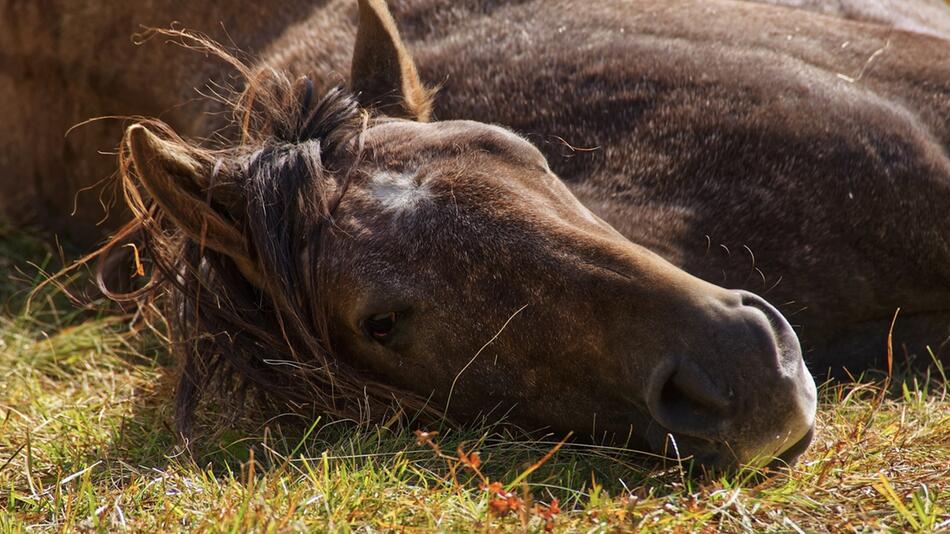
[{"x": 230, "y": 336}]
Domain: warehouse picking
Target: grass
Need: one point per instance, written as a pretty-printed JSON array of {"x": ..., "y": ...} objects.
[{"x": 85, "y": 444}]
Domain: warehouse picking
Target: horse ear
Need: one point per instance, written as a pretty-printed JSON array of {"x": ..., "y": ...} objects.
[
  {"x": 178, "y": 181},
  {"x": 383, "y": 73}
]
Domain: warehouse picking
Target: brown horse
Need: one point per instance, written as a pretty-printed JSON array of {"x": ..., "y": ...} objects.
[{"x": 336, "y": 247}]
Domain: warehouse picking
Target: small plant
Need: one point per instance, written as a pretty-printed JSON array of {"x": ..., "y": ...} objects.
[{"x": 502, "y": 500}]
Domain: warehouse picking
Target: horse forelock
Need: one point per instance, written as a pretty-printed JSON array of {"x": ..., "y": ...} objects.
[{"x": 281, "y": 182}]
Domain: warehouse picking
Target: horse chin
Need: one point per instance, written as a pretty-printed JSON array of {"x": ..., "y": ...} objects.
[
  {"x": 790, "y": 456},
  {"x": 713, "y": 457},
  {"x": 687, "y": 449}
]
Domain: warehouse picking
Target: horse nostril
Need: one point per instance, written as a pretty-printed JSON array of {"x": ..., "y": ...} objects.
[{"x": 689, "y": 403}]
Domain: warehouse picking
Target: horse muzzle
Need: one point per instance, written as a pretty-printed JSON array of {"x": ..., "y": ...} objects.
[{"x": 742, "y": 397}]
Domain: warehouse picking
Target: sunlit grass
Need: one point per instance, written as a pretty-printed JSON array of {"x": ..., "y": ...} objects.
[{"x": 86, "y": 444}]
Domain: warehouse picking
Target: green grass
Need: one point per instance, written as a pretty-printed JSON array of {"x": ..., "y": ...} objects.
[{"x": 86, "y": 444}]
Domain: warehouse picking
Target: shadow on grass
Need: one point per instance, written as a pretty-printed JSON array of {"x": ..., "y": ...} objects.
[{"x": 224, "y": 444}]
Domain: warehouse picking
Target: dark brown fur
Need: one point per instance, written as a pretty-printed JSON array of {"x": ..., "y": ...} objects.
[{"x": 796, "y": 155}]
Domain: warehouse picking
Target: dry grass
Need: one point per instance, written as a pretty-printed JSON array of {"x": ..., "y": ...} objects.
[{"x": 85, "y": 444}]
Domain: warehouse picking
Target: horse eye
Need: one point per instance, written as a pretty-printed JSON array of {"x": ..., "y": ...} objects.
[{"x": 380, "y": 326}]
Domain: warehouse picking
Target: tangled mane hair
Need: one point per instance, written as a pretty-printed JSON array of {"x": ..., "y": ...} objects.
[{"x": 233, "y": 334}]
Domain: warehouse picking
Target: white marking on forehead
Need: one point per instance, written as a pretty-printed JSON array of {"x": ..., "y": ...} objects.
[{"x": 398, "y": 191}]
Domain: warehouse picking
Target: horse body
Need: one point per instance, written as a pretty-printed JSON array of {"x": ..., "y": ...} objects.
[
  {"x": 798, "y": 156},
  {"x": 803, "y": 157},
  {"x": 752, "y": 159}
]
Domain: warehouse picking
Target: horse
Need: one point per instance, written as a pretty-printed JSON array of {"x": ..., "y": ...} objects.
[{"x": 561, "y": 210}]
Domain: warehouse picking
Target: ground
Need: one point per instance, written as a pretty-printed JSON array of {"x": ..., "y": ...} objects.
[{"x": 86, "y": 444}]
